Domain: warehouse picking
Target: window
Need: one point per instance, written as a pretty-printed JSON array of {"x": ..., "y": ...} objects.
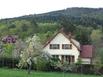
[
  {"x": 54, "y": 46},
  {"x": 66, "y": 46},
  {"x": 68, "y": 58}
]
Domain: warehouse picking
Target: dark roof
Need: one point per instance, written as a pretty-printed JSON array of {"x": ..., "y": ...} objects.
[{"x": 86, "y": 51}]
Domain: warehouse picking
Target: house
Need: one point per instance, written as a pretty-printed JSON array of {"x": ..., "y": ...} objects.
[
  {"x": 65, "y": 48},
  {"x": 9, "y": 39}
]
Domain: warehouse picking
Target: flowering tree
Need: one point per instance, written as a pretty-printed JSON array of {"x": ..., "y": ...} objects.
[{"x": 32, "y": 50}]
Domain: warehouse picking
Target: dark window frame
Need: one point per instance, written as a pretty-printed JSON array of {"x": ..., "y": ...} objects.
[
  {"x": 54, "y": 46},
  {"x": 66, "y": 46}
]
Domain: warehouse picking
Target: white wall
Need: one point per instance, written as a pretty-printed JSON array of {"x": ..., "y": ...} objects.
[
  {"x": 86, "y": 61},
  {"x": 61, "y": 39}
]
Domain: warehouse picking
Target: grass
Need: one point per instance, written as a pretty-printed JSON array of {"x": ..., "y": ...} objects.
[{"x": 23, "y": 73}]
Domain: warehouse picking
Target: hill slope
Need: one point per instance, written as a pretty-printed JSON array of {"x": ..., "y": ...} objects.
[
  {"x": 79, "y": 16},
  {"x": 28, "y": 24}
]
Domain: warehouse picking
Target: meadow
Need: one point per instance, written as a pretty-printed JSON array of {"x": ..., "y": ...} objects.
[{"x": 23, "y": 73}]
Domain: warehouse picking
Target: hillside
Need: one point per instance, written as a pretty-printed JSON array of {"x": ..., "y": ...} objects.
[
  {"x": 79, "y": 16},
  {"x": 29, "y": 24}
]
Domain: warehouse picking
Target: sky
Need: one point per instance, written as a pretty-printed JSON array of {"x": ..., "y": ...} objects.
[{"x": 15, "y": 8}]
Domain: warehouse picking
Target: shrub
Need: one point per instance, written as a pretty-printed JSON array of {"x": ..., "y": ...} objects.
[
  {"x": 8, "y": 62},
  {"x": 42, "y": 64}
]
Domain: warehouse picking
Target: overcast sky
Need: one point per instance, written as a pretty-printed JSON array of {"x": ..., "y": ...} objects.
[{"x": 14, "y": 8}]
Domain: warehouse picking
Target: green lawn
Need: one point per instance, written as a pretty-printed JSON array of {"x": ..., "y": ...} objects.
[{"x": 23, "y": 73}]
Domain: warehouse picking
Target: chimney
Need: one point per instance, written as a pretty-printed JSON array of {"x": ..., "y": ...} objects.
[{"x": 70, "y": 35}]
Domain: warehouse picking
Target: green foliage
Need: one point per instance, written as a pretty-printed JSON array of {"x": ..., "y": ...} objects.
[
  {"x": 8, "y": 62},
  {"x": 22, "y": 28},
  {"x": 45, "y": 27},
  {"x": 7, "y": 50},
  {"x": 55, "y": 62},
  {"x": 96, "y": 35},
  {"x": 3, "y": 30},
  {"x": 67, "y": 25},
  {"x": 83, "y": 34},
  {"x": 46, "y": 31},
  {"x": 45, "y": 36},
  {"x": 41, "y": 64},
  {"x": 100, "y": 52},
  {"x": 79, "y": 61}
]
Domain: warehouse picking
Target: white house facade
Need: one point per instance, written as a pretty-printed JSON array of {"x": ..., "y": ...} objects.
[{"x": 63, "y": 47}]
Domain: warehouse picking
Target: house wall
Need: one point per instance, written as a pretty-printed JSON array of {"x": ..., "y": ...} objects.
[{"x": 61, "y": 39}]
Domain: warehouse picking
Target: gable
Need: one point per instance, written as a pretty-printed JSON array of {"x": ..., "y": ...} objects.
[{"x": 61, "y": 38}]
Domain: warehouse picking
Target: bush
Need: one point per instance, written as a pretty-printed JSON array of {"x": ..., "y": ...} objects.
[
  {"x": 101, "y": 70},
  {"x": 85, "y": 69},
  {"x": 8, "y": 62},
  {"x": 42, "y": 64}
]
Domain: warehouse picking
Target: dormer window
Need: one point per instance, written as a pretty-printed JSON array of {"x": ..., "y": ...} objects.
[
  {"x": 66, "y": 46},
  {"x": 54, "y": 46}
]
